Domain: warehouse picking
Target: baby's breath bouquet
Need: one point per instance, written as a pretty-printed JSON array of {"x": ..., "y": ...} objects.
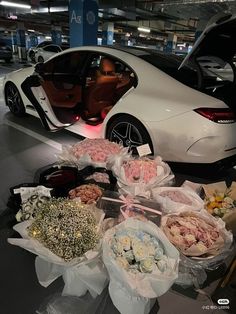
[{"x": 65, "y": 236}]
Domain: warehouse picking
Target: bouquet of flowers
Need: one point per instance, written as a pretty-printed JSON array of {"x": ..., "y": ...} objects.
[
  {"x": 65, "y": 236},
  {"x": 138, "y": 176},
  {"x": 32, "y": 201},
  {"x": 141, "y": 262},
  {"x": 175, "y": 199},
  {"x": 196, "y": 234},
  {"x": 220, "y": 201},
  {"x": 96, "y": 152},
  {"x": 86, "y": 193}
]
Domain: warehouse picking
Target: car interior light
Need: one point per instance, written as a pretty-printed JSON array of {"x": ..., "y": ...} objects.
[
  {"x": 144, "y": 29},
  {"x": 219, "y": 115},
  {"x": 15, "y": 5}
]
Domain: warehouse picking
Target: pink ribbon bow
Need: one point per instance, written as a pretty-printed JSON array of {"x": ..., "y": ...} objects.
[{"x": 129, "y": 203}]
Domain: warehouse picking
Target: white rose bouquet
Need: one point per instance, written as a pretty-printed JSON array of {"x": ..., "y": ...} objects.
[{"x": 141, "y": 262}]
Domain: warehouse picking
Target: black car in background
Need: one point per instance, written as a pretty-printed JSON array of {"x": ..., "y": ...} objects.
[{"x": 5, "y": 52}]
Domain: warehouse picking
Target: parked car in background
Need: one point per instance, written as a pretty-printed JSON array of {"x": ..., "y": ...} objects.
[
  {"x": 31, "y": 51},
  {"x": 44, "y": 53},
  {"x": 5, "y": 52}
]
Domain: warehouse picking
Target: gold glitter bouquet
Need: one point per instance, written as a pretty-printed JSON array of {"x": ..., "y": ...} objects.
[
  {"x": 65, "y": 235},
  {"x": 66, "y": 227}
]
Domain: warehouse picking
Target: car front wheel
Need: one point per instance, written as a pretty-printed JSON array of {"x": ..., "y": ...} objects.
[
  {"x": 14, "y": 101},
  {"x": 128, "y": 131}
]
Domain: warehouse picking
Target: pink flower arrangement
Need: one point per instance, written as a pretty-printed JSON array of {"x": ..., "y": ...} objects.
[
  {"x": 140, "y": 170},
  {"x": 98, "y": 149}
]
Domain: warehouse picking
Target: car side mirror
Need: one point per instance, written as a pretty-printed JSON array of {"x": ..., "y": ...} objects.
[{"x": 39, "y": 67}]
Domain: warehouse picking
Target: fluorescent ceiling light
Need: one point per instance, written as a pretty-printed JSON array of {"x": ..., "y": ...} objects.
[
  {"x": 144, "y": 29},
  {"x": 31, "y": 30},
  {"x": 15, "y": 5}
]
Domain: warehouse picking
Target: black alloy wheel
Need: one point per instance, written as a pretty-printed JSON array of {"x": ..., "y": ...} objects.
[
  {"x": 14, "y": 101},
  {"x": 128, "y": 131}
]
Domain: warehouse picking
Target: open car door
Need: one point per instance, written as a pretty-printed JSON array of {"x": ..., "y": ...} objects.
[{"x": 55, "y": 89}]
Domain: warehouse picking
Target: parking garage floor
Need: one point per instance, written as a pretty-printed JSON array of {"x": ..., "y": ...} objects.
[{"x": 25, "y": 147}]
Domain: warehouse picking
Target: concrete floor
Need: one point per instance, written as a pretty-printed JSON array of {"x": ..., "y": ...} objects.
[{"x": 25, "y": 147}]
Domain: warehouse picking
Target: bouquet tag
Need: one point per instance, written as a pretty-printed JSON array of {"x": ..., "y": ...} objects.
[{"x": 144, "y": 150}]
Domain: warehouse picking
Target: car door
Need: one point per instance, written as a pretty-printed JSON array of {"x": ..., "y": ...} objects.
[{"x": 57, "y": 86}]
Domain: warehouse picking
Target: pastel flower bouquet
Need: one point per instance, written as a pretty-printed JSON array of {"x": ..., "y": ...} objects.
[
  {"x": 138, "y": 176},
  {"x": 65, "y": 235},
  {"x": 96, "y": 152},
  {"x": 176, "y": 199},
  {"x": 141, "y": 262},
  {"x": 220, "y": 201}
]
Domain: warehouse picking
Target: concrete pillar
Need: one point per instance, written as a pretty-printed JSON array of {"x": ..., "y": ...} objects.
[
  {"x": 83, "y": 22},
  {"x": 107, "y": 33},
  {"x": 33, "y": 41},
  {"x": 14, "y": 42},
  {"x": 21, "y": 42},
  {"x": 56, "y": 35},
  {"x": 171, "y": 43}
]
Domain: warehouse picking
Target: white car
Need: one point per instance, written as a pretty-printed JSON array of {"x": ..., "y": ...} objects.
[
  {"x": 42, "y": 54},
  {"x": 136, "y": 96}
]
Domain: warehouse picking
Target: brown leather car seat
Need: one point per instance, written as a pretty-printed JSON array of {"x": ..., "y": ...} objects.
[{"x": 102, "y": 93}]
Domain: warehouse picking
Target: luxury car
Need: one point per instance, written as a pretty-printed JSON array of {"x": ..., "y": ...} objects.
[
  {"x": 31, "y": 51},
  {"x": 137, "y": 96},
  {"x": 5, "y": 52},
  {"x": 44, "y": 53}
]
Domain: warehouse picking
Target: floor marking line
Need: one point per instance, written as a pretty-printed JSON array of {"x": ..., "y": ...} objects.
[{"x": 35, "y": 135}]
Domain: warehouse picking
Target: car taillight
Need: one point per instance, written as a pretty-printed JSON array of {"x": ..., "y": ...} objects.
[{"x": 218, "y": 115}]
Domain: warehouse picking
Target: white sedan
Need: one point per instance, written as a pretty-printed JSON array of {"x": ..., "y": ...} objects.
[
  {"x": 42, "y": 54},
  {"x": 135, "y": 96}
]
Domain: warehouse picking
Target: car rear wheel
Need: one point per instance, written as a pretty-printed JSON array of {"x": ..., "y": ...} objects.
[
  {"x": 40, "y": 59},
  {"x": 128, "y": 131},
  {"x": 14, "y": 101}
]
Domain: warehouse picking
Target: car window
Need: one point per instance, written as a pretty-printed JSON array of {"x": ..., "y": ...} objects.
[{"x": 68, "y": 63}]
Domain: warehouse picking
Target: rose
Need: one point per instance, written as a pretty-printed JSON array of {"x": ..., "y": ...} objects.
[
  {"x": 140, "y": 251},
  {"x": 125, "y": 242},
  {"x": 117, "y": 248},
  {"x": 162, "y": 265},
  {"x": 122, "y": 262},
  {"x": 147, "y": 265},
  {"x": 129, "y": 256}
]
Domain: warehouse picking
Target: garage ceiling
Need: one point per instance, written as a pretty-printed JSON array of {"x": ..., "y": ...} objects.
[{"x": 163, "y": 16}]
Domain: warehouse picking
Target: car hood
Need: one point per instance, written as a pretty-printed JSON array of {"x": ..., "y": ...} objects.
[
  {"x": 218, "y": 39},
  {"x": 21, "y": 73}
]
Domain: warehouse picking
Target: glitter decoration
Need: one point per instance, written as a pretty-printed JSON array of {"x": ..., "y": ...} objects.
[{"x": 66, "y": 227}]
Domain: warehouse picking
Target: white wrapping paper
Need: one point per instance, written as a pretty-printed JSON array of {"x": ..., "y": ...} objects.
[
  {"x": 136, "y": 293},
  {"x": 170, "y": 206},
  {"x": 164, "y": 177},
  {"x": 86, "y": 273}
]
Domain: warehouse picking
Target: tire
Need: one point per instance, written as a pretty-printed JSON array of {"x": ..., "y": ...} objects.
[
  {"x": 14, "y": 100},
  {"x": 130, "y": 132},
  {"x": 40, "y": 59}
]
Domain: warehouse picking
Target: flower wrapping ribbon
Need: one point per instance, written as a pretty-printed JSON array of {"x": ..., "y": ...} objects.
[{"x": 129, "y": 203}]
